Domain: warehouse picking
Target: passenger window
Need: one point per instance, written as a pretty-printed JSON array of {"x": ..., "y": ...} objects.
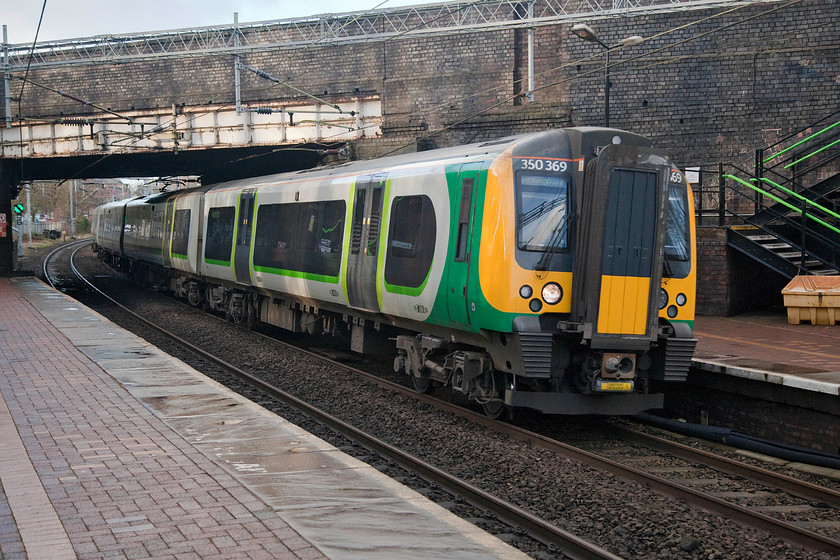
[
  {"x": 181, "y": 232},
  {"x": 300, "y": 237},
  {"x": 464, "y": 221},
  {"x": 219, "y": 240},
  {"x": 411, "y": 241}
]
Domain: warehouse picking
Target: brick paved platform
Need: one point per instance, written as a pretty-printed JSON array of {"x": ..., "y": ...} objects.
[
  {"x": 110, "y": 448},
  {"x": 762, "y": 346}
]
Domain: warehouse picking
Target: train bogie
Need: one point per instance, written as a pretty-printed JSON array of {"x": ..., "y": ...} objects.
[{"x": 553, "y": 271}]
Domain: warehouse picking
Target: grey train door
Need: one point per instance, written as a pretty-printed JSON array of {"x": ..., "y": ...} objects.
[
  {"x": 244, "y": 225},
  {"x": 364, "y": 242}
]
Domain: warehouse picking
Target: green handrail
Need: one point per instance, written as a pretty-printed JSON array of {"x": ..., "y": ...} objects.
[
  {"x": 814, "y": 135},
  {"x": 815, "y": 152},
  {"x": 783, "y": 202},
  {"x": 800, "y": 197}
]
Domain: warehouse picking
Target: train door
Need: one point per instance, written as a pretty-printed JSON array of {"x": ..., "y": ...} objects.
[
  {"x": 457, "y": 280},
  {"x": 244, "y": 225},
  {"x": 629, "y": 227},
  {"x": 617, "y": 270},
  {"x": 363, "y": 258}
]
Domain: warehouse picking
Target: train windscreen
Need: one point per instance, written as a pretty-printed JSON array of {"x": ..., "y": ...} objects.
[{"x": 542, "y": 205}]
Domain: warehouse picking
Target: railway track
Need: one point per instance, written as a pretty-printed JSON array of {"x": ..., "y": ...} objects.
[
  {"x": 54, "y": 267},
  {"x": 827, "y": 499},
  {"x": 554, "y": 537}
]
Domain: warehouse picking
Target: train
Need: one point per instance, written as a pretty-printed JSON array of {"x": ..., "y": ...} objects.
[{"x": 553, "y": 271}]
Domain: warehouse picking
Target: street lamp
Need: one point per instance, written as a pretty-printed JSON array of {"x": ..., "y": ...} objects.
[{"x": 587, "y": 34}]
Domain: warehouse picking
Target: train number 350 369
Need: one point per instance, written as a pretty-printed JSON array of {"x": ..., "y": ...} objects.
[{"x": 550, "y": 165}]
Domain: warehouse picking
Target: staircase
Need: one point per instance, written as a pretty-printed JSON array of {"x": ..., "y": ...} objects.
[{"x": 784, "y": 212}]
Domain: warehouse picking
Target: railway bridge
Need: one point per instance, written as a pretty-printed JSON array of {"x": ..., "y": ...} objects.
[{"x": 708, "y": 80}]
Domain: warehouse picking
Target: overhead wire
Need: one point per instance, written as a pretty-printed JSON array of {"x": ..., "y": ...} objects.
[
  {"x": 25, "y": 76},
  {"x": 599, "y": 70},
  {"x": 430, "y": 110},
  {"x": 166, "y": 124}
]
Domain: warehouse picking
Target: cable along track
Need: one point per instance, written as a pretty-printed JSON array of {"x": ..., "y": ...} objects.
[{"x": 555, "y": 537}]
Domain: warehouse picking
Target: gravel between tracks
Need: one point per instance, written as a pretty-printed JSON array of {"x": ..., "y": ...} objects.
[{"x": 625, "y": 518}]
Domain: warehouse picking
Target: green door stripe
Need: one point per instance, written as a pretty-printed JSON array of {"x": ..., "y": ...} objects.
[{"x": 345, "y": 245}]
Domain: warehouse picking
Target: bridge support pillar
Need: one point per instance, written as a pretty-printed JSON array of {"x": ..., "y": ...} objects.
[{"x": 8, "y": 191}]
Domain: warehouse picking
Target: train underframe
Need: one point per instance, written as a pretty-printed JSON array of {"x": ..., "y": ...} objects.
[
  {"x": 558, "y": 373},
  {"x": 554, "y": 372}
]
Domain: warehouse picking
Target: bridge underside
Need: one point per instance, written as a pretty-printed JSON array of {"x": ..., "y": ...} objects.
[{"x": 212, "y": 165}]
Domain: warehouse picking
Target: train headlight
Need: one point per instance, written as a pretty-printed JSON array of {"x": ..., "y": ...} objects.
[
  {"x": 672, "y": 311},
  {"x": 535, "y": 305},
  {"x": 526, "y": 291},
  {"x": 681, "y": 299},
  {"x": 663, "y": 298},
  {"x": 552, "y": 293}
]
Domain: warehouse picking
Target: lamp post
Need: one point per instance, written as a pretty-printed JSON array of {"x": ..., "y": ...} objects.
[{"x": 587, "y": 34}]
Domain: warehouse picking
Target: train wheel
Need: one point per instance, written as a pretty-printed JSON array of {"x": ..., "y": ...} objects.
[
  {"x": 422, "y": 385},
  {"x": 234, "y": 315},
  {"x": 194, "y": 298},
  {"x": 495, "y": 409},
  {"x": 250, "y": 314}
]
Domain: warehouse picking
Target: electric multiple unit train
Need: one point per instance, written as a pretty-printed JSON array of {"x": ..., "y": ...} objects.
[{"x": 553, "y": 271}]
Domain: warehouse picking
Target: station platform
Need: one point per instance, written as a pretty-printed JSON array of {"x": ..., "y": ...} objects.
[
  {"x": 111, "y": 448},
  {"x": 762, "y": 346}
]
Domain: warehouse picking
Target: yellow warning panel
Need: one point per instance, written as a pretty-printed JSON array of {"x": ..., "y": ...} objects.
[{"x": 624, "y": 305}]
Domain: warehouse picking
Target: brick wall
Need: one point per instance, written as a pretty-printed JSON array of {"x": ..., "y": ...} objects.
[
  {"x": 712, "y": 272},
  {"x": 759, "y": 72},
  {"x": 716, "y": 98},
  {"x": 729, "y": 282},
  {"x": 764, "y": 410}
]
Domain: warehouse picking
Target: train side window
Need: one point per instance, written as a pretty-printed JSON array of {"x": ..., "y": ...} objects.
[
  {"x": 156, "y": 225},
  {"x": 358, "y": 221},
  {"x": 678, "y": 234},
  {"x": 325, "y": 258},
  {"x": 332, "y": 227},
  {"x": 309, "y": 221},
  {"x": 375, "y": 222},
  {"x": 464, "y": 221},
  {"x": 275, "y": 235},
  {"x": 304, "y": 237},
  {"x": 246, "y": 222},
  {"x": 181, "y": 233},
  {"x": 411, "y": 241},
  {"x": 219, "y": 239}
]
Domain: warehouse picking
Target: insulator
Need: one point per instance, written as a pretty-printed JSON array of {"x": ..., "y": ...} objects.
[
  {"x": 73, "y": 121},
  {"x": 264, "y": 110}
]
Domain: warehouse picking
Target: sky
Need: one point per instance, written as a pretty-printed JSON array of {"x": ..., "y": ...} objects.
[{"x": 71, "y": 19}]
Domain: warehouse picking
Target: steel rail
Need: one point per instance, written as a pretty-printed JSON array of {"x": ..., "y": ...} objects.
[
  {"x": 53, "y": 253},
  {"x": 789, "y": 484},
  {"x": 554, "y": 537},
  {"x": 776, "y": 527}
]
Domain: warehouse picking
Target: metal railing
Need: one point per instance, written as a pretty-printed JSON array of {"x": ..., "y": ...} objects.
[
  {"x": 819, "y": 244},
  {"x": 324, "y": 29}
]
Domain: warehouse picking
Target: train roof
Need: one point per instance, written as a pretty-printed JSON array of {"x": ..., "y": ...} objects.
[{"x": 581, "y": 137}]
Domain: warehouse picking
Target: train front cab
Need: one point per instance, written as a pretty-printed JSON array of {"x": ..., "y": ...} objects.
[{"x": 594, "y": 339}]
